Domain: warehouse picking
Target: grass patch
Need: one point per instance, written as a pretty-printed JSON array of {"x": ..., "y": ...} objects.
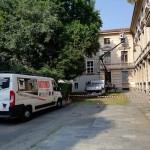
[{"x": 116, "y": 100}]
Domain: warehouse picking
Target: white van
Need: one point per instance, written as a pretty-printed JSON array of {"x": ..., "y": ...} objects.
[{"x": 21, "y": 95}]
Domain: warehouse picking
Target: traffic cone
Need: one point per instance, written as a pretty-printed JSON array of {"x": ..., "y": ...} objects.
[
  {"x": 69, "y": 99},
  {"x": 98, "y": 105}
]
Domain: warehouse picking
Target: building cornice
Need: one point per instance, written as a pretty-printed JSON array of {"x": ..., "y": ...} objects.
[
  {"x": 114, "y": 31},
  {"x": 135, "y": 15}
]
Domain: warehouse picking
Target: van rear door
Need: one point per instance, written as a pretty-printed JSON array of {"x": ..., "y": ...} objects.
[{"x": 4, "y": 93}]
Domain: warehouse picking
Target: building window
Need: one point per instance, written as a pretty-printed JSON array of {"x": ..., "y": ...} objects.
[
  {"x": 124, "y": 56},
  {"x": 76, "y": 85},
  {"x": 149, "y": 86},
  {"x": 89, "y": 67},
  {"x": 142, "y": 9},
  {"x": 29, "y": 86},
  {"x": 107, "y": 59},
  {"x": 106, "y": 40},
  {"x": 125, "y": 77}
]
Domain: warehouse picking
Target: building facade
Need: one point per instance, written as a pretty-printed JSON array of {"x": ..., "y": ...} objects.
[
  {"x": 119, "y": 62},
  {"x": 91, "y": 73},
  {"x": 140, "y": 28}
]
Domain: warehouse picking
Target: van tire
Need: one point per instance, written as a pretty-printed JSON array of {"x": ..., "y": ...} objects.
[
  {"x": 59, "y": 103},
  {"x": 26, "y": 116}
]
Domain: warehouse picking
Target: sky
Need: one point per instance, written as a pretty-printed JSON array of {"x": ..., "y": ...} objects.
[{"x": 115, "y": 14}]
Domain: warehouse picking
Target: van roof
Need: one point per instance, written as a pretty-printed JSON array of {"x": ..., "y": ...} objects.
[{"x": 23, "y": 75}]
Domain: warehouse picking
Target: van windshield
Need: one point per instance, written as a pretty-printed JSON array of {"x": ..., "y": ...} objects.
[{"x": 4, "y": 82}]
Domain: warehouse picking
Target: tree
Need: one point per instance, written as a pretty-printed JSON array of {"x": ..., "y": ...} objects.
[
  {"x": 48, "y": 36},
  {"x": 27, "y": 28}
]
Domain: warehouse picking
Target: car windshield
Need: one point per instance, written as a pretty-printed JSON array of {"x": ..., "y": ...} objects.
[
  {"x": 95, "y": 84},
  {"x": 4, "y": 82}
]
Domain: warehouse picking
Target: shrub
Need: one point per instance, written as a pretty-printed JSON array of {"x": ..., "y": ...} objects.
[{"x": 66, "y": 89}]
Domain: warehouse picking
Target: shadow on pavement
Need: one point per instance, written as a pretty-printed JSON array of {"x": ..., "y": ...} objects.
[
  {"x": 80, "y": 125},
  {"x": 77, "y": 123}
]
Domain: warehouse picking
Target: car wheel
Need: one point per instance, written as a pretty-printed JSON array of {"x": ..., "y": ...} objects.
[{"x": 59, "y": 103}]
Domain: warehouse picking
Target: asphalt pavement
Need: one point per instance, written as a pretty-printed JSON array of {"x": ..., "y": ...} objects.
[
  {"x": 114, "y": 128},
  {"x": 80, "y": 126}
]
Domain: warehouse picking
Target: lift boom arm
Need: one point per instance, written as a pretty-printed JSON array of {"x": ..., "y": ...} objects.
[{"x": 101, "y": 58}]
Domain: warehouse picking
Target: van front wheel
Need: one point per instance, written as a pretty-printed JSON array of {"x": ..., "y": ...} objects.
[{"x": 59, "y": 103}]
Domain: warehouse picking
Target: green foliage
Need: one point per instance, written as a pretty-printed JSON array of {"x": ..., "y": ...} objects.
[
  {"x": 66, "y": 89},
  {"x": 27, "y": 30},
  {"x": 50, "y": 72},
  {"x": 49, "y": 37}
]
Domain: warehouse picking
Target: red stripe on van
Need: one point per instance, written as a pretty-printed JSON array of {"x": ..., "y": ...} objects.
[{"x": 41, "y": 99}]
